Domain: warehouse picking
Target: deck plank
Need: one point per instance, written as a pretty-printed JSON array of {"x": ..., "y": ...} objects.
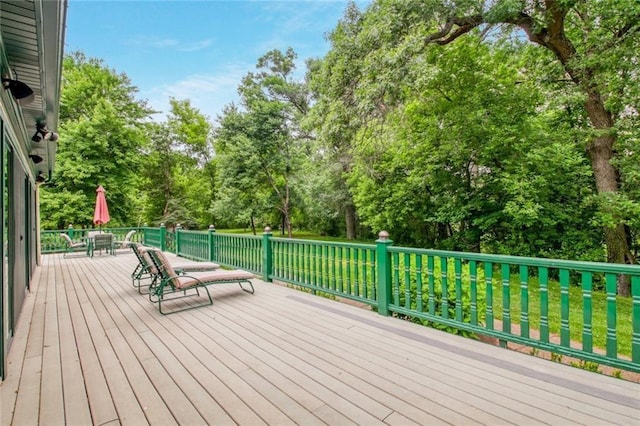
[
  {"x": 277, "y": 357},
  {"x": 76, "y": 406},
  {"x": 9, "y": 388},
  {"x": 101, "y": 404},
  {"x": 51, "y": 392},
  {"x": 31, "y": 376}
]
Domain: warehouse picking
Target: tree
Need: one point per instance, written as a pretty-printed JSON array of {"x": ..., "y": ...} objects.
[
  {"x": 595, "y": 44},
  {"x": 334, "y": 117},
  {"x": 259, "y": 149},
  {"x": 177, "y": 178},
  {"x": 101, "y": 132}
]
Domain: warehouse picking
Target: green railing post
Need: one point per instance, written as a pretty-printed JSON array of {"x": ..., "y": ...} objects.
[
  {"x": 177, "y": 241},
  {"x": 212, "y": 249},
  {"x": 163, "y": 235},
  {"x": 267, "y": 255},
  {"x": 70, "y": 232},
  {"x": 383, "y": 262}
]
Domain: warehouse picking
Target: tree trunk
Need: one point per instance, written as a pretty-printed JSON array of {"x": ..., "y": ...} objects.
[
  {"x": 350, "y": 221},
  {"x": 253, "y": 225},
  {"x": 600, "y": 152}
]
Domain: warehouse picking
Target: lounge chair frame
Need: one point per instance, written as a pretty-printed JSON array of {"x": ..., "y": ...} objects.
[
  {"x": 146, "y": 272},
  {"x": 170, "y": 285},
  {"x": 71, "y": 246}
]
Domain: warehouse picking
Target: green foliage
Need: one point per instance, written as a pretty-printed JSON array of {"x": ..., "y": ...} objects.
[
  {"x": 261, "y": 149},
  {"x": 101, "y": 132},
  {"x": 482, "y": 144},
  {"x": 178, "y": 175}
]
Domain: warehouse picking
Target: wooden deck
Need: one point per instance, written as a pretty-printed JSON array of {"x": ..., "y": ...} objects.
[{"x": 90, "y": 350}]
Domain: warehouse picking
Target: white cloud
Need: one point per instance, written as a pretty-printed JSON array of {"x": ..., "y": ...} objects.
[
  {"x": 152, "y": 42},
  {"x": 210, "y": 93}
]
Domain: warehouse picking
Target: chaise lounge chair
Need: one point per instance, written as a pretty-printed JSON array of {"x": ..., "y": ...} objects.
[
  {"x": 146, "y": 273},
  {"x": 126, "y": 243},
  {"x": 71, "y": 246},
  {"x": 170, "y": 283}
]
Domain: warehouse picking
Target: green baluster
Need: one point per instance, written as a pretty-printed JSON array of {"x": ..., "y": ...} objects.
[
  {"x": 372, "y": 273},
  {"x": 287, "y": 254},
  {"x": 458, "y": 283},
  {"x": 340, "y": 276},
  {"x": 332, "y": 259},
  {"x": 488, "y": 279},
  {"x": 565, "y": 334},
  {"x": 297, "y": 263},
  {"x": 325, "y": 266},
  {"x": 506, "y": 301},
  {"x": 70, "y": 231},
  {"x": 432, "y": 285},
  {"x": 419, "y": 302},
  {"x": 348, "y": 253},
  {"x": 178, "y": 243},
  {"x": 384, "y": 272},
  {"x": 473, "y": 278},
  {"x": 612, "y": 347},
  {"x": 396, "y": 278},
  {"x": 524, "y": 301},
  {"x": 267, "y": 261},
  {"x": 587, "y": 312},
  {"x": 356, "y": 270},
  {"x": 444, "y": 303},
  {"x": 544, "y": 304},
  {"x": 407, "y": 280},
  {"x": 163, "y": 237}
]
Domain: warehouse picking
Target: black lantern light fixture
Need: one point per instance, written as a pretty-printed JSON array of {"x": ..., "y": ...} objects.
[
  {"x": 19, "y": 90},
  {"x": 42, "y": 133},
  {"x": 40, "y": 178}
]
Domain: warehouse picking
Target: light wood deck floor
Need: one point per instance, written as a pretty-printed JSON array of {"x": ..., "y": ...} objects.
[{"x": 90, "y": 350}]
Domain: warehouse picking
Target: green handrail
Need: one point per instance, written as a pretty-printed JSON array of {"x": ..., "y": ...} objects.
[{"x": 504, "y": 297}]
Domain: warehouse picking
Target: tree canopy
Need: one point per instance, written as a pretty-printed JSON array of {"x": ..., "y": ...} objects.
[{"x": 504, "y": 126}]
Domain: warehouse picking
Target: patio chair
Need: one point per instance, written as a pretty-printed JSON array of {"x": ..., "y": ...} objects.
[
  {"x": 146, "y": 273},
  {"x": 170, "y": 283},
  {"x": 70, "y": 245},
  {"x": 126, "y": 243},
  {"x": 102, "y": 242}
]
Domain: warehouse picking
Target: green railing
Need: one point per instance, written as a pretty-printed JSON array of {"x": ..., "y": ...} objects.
[
  {"x": 340, "y": 269},
  {"x": 238, "y": 251},
  {"x": 509, "y": 298},
  {"x": 52, "y": 242},
  {"x": 564, "y": 307},
  {"x": 192, "y": 244}
]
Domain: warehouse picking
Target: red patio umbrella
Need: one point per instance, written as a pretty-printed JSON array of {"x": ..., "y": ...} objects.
[{"x": 101, "y": 213}]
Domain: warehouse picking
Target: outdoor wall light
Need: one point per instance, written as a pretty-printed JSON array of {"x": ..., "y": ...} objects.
[
  {"x": 19, "y": 90},
  {"x": 40, "y": 178},
  {"x": 43, "y": 133}
]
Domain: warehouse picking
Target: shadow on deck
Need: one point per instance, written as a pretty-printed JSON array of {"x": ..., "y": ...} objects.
[{"x": 90, "y": 350}]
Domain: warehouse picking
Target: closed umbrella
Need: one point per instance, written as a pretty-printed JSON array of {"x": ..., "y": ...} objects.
[{"x": 101, "y": 213}]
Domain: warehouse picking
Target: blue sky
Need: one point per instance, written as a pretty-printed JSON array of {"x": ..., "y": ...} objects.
[{"x": 197, "y": 50}]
